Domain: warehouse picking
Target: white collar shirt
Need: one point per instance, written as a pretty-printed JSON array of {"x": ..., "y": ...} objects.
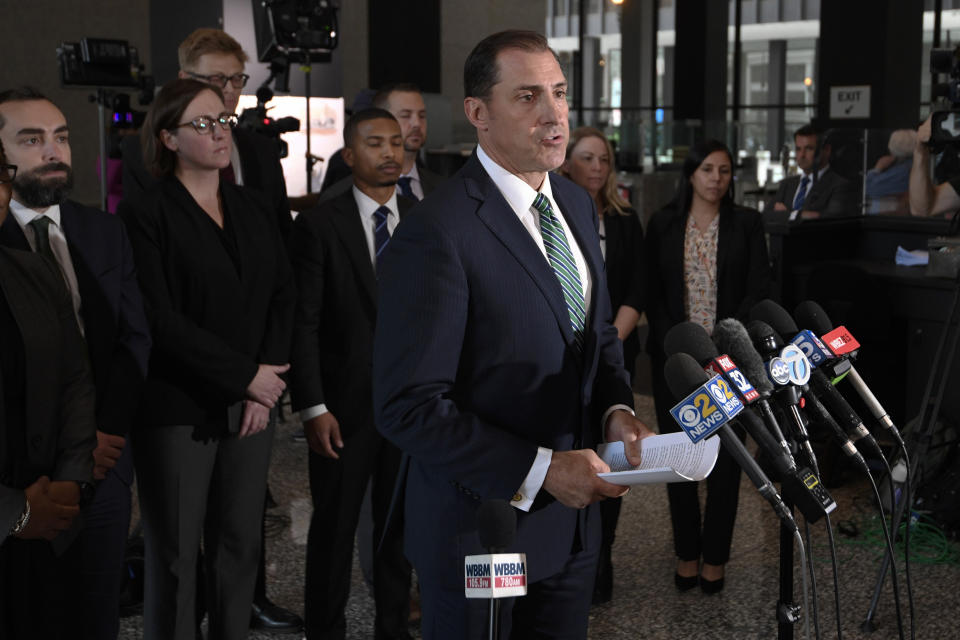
[{"x": 58, "y": 245}]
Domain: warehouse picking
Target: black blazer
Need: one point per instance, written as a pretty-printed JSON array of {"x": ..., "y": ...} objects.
[
  {"x": 743, "y": 268},
  {"x": 211, "y": 325},
  {"x": 626, "y": 271},
  {"x": 332, "y": 354},
  {"x": 259, "y": 162},
  {"x": 831, "y": 195},
  {"x": 115, "y": 326},
  {"x": 60, "y": 398}
]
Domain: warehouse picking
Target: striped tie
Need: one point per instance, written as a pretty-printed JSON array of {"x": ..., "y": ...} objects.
[
  {"x": 381, "y": 234},
  {"x": 564, "y": 266}
]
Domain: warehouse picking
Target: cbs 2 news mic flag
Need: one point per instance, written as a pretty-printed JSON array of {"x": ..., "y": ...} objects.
[
  {"x": 706, "y": 408},
  {"x": 495, "y": 575}
]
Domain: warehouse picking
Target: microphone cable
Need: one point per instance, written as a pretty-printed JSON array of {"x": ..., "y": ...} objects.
[
  {"x": 813, "y": 581},
  {"x": 906, "y": 534},
  {"x": 893, "y": 563},
  {"x": 836, "y": 574}
]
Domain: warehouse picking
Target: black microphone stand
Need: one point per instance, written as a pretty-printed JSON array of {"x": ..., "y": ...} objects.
[{"x": 929, "y": 412}]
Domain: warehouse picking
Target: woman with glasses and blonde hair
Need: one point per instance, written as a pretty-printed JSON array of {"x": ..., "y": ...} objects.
[
  {"x": 219, "y": 296},
  {"x": 590, "y": 164}
]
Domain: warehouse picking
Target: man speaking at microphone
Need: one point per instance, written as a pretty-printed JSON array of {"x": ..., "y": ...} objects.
[{"x": 496, "y": 368}]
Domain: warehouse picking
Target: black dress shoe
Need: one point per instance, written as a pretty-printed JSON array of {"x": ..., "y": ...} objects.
[
  {"x": 710, "y": 587},
  {"x": 684, "y": 583},
  {"x": 603, "y": 586},
  {"x": 266, "y": 616}
]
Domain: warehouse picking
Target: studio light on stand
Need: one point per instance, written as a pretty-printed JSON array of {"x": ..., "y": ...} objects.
[{"x": 301, "y": 31}]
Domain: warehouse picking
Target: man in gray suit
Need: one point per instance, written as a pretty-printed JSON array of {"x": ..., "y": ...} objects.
[{"x": 814, "y": 194}]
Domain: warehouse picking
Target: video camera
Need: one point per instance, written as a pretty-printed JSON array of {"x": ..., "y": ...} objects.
[
  {"x": 256, "y": 119},
  {"x": 945, "y": 118}
]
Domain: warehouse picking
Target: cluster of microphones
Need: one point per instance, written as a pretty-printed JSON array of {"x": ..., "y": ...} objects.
[{"x": 768, "y": 378}]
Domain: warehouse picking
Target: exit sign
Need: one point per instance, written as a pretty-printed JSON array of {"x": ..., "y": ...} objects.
[{"x": 850, "y": 103}]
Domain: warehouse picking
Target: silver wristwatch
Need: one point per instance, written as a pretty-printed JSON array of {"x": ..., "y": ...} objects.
[{"x": 22, "y": 521}]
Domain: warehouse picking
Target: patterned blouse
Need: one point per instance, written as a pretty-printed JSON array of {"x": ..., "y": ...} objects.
[{"x": 700, "y": 273}]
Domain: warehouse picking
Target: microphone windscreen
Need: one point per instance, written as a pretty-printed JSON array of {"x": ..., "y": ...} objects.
[
  {"x": 811, "y": 315},
  {"x": 683, "y": 374},
  {"x": 775, "y": 316},
  {"x": 692, "y": 339},
  {"x": 760, "y": 332},
  {"x": 496, "y": 524},
  {"x": 731, "y": 338}
]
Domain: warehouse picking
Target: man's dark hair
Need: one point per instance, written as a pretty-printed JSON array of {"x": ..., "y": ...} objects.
[
  {"x": 21, "y": 94},
  {"x": 695, "y": 157},
  {"x": 371, "y": 113},
  {"x": 165, "y": 114},
  {"x": 382, "y": 98},
  {"x": 806, "y": 130},
  {"x": 481, "y": 71}
]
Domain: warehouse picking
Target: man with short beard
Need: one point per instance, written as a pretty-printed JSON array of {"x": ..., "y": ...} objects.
[{"x": 90, "y": 249}]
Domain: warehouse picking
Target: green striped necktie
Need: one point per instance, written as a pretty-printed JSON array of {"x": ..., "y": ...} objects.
[{"x": 564, "y": 266}]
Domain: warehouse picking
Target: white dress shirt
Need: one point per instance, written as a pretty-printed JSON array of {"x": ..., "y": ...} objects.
[
  {"x": 520, "y": 196},
  {"x": 366, "y": 206},
  {"x": 58, "y": 245}
]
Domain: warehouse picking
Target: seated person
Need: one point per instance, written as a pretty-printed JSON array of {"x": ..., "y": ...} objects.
[
  {"x": 888, "y": 182},
  {"x": 808, "y": 196}
]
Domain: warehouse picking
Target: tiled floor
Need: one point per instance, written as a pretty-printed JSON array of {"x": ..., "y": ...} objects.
[{"x": 646, "y": 604}]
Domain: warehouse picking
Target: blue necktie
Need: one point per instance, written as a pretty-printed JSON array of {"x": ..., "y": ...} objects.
[
  {"x": 564, "y": 266},
  {"x": 405, "y": 189},
  {"x": 801, "y": 193},
  {"x": 381, "y": 234}
]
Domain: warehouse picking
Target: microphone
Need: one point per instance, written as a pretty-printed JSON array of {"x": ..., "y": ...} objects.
[
  {"x": 801, "y": 487},
  {"x": 820, "y": 386},
  {"x": 705, "y": 406},
  {"x": 732, "y": 336},
  {"x": 690, "y": 338},
  {"x": 496, "y": 574},
  {"x": 810, "y": 314}
]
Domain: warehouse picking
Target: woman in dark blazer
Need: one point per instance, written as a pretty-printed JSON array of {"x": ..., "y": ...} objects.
[
  {"x": 707, "y": 260},
  {"x": 219, "y": 295},
  {"x": 589, "y": 163}
]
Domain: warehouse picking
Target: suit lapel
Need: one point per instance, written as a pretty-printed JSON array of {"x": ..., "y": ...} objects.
[
  {"x": 586, "y": 237},
  {"x": 11, "y": 235},
  {"x": 725, "y": 234},
  {"x": 345, "y": 219},
  {"x": 496, "y": 214}
]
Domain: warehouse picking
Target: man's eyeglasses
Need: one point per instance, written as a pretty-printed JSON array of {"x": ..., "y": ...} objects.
[
  {"x": 7, "y": 172},
  {"x": 238, "y": 80},
  {"x": 204, "y": 125}
]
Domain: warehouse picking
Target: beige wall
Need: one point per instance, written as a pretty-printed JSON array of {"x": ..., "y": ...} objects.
[
  {"x": 465, "y": 23},
  {"x": 29, "y": 35}
]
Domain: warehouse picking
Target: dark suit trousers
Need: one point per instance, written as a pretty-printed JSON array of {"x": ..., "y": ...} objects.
[
  {"x": 96, "y": 556},
  {"x": 186, "y": 486},
  {"x": 337, "y": 488},
  {"x": 711, "y": 538},
  {"x": 556, "y": 608},
  {"x": 35, "y": 587}
]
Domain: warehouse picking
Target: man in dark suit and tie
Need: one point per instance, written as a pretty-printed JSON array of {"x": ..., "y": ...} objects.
[
  {"x": 808, "y": 196},
  {"x": 405, "y": 102},
  {"x": 336, "y": 253},
  {"x": 47, "y": 431},
  {"x": 496, "y": 366},
  {"x": 91, "y": 251}
]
